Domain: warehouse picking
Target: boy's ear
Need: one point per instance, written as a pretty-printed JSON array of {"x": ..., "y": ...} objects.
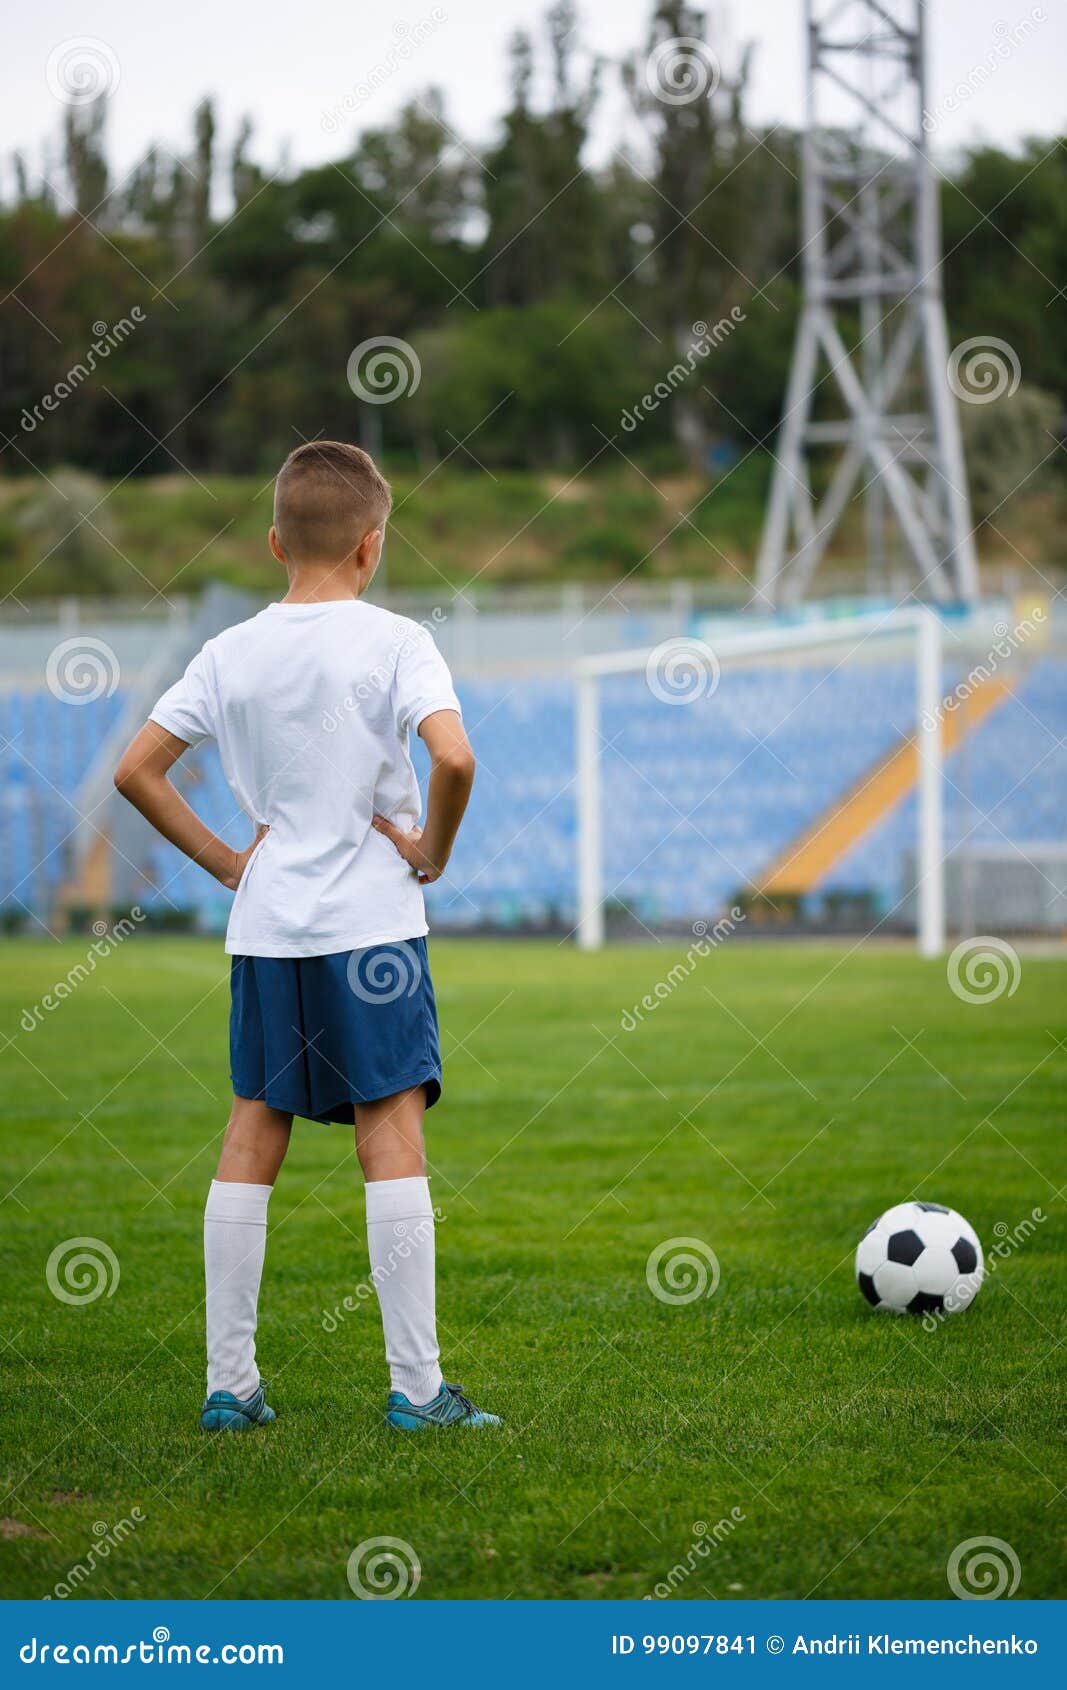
[
  {"x": 272, "y": 541},
  {"x": 369, "y": 548}
]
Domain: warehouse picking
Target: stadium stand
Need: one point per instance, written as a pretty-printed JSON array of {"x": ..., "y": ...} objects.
[{"x": 772, "y": 751}]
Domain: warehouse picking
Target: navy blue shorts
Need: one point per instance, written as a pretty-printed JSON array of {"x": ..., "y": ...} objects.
[{"x": 314, "y": 1035}]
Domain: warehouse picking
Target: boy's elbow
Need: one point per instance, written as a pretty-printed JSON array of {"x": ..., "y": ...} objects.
[
  {"x": 459, "y": 763},
  {"x": 125, "y": 776}
]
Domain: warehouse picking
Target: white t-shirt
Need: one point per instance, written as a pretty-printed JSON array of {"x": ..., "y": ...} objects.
[{"x": 311, "y": 706}]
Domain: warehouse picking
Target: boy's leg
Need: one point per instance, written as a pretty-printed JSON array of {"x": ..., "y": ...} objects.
[
  {"x": 400, "y": 1238},
  {"x": 235, "y": 1235}
]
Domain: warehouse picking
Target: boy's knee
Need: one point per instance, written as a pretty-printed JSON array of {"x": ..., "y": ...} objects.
[
  {"x": 249, "y": 1113},
  {"x": 389, "y": 1137},
  {"x": 391, "y": 1157},
  {"x": 254, "y": 1143}
]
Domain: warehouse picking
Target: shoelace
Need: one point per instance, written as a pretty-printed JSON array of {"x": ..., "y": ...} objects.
[{"x": 456, "y": 1393}]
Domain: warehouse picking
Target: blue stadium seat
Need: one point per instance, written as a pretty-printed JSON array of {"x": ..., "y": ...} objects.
[{"x": 698, "y": 798}]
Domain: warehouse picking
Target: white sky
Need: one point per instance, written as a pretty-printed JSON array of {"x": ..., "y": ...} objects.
[{"x": 289, "y": 65}]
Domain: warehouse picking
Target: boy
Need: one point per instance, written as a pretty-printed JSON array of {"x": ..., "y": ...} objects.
[{"x": 332, "y": 1014}]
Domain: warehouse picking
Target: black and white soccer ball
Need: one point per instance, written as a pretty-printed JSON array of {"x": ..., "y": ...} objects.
[{"x": 920, "y": 1258}]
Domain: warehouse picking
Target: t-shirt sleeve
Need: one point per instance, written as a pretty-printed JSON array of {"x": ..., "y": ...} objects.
[
  {"x": 423, "y": 683},
  {"x": 187, "y": 708}
]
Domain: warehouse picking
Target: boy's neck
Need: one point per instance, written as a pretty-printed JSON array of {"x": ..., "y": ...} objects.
[{"x": 323, "y": 583}]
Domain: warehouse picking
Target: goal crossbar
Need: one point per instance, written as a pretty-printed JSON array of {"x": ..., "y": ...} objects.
[{"x": 921, "y": 626}]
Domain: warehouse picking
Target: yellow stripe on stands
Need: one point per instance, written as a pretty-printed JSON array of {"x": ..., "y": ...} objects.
[{"x": 813, "y": 853}]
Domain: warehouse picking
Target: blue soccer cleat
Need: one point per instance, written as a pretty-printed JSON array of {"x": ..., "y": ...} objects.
[
  {"x": 449, "y": 1408},
  {"x": 223, "y": 1412}
]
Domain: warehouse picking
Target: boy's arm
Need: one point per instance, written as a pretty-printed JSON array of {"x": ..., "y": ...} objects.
[
  {"x": 428, "y": 848},
  {"x": 141, "y": 777}
]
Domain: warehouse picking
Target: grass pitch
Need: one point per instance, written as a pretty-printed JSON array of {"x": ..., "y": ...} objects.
[{"x": 774, "y": 1439}]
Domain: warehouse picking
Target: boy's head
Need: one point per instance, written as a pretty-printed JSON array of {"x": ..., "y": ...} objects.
[{"x": 329, "y": 499}]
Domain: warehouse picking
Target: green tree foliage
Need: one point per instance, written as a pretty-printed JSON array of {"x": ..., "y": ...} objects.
[
  {"x": 531, "y": 384},
  {"x": 722, "y": 213},
  {"x": 542, "y": 295},
  {"x": 84, "y": 156},
  {"x": 1010, "y": 443},
  {"x": 546, "y": 217},
  {"x": 1005, "y": 241}
]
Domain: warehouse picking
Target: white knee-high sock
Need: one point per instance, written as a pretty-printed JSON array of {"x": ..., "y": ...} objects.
[
  {"x": 400, "y": 1239},
  {"x": 235, "y": 1240}
]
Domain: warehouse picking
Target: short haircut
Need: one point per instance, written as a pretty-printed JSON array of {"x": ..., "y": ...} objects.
[{"x": 328, "y": 495}]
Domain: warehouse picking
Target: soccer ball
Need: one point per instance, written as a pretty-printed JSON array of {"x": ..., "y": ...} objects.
[{"x": 920, "y": 1258}]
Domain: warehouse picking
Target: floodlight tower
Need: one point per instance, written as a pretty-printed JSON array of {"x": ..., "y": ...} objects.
[{"x": 869, "y": 379}]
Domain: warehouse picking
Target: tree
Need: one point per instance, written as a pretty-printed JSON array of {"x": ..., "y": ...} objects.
[
  {"x": 588, "y": 283},
  {"x": 1008, "y": 444},
  {"x": 420, "y": 173},
  {"x": 545, "y": 231},
  {"x": 245, "y": 175},
  {"x": 720, "y": 200},
  {"x": 84, "y": 156},
  {"x": 1005, "y": 240},
  {"x": 202, "y": 174},
  {"x": 527, "y": 384}
]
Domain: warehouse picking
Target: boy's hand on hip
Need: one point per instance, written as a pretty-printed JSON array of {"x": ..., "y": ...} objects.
[
  {"x": 233, "y": 878},
  {"x": 409, "y": 844}
]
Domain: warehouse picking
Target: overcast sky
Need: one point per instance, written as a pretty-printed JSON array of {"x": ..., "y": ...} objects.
[{"x": 301, "y": 69}]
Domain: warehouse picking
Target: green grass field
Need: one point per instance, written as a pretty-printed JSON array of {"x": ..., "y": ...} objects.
[{"x": 770, "y": 1106}]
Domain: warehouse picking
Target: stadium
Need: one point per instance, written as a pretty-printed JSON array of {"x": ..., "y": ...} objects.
[
  {"x": 800, "y": 755},
  {"x": 754, "y": 928}
]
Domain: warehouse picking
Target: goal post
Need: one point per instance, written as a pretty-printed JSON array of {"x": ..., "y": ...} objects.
[{"x": 918, "y": 630}]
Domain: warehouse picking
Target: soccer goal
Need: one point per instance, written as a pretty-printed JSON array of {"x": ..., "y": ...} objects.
[{"x": 766, "y": 770}]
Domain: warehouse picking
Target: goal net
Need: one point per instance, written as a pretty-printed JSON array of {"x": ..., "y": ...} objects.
[{"x": 781, "y": 776}]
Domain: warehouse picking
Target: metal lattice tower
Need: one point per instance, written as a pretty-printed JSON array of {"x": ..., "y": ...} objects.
[{"x": 869, "y": 375}]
